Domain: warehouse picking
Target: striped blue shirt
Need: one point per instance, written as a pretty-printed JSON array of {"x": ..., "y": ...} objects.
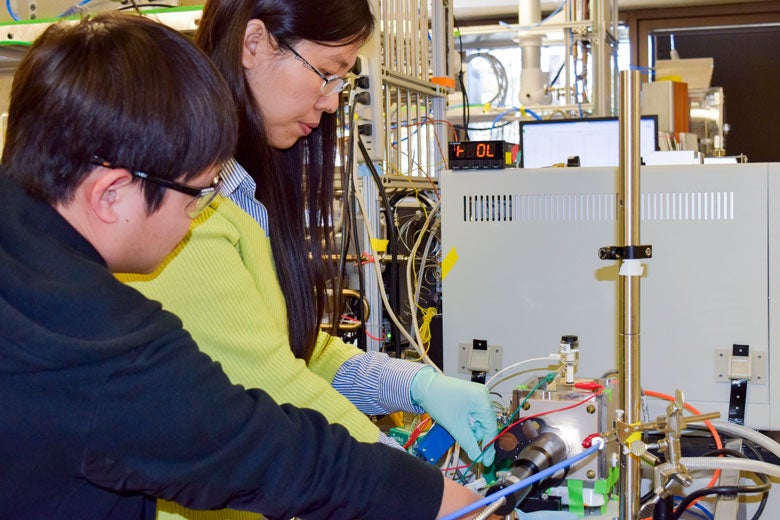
[
  {"x": 374, "y": 382},
  {"x": 240, "y": 187},
  {"x": 378, "y": 384}
]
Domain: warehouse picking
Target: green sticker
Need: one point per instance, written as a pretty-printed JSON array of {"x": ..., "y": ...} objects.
[{"x": 575, "y": 497}]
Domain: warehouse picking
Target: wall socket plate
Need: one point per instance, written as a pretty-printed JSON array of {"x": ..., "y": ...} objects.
[
  {"x": 758, "y": 361},
  {"x": 475, "y": 360}
]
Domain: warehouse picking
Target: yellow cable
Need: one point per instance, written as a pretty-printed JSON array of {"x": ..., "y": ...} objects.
[{"x": 425, "y": 327}]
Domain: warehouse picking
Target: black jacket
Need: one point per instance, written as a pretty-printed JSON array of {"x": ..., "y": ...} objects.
[{"x": 106, "y": 403}]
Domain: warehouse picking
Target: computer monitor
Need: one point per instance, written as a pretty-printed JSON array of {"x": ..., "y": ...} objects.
[{"x": 595, "y": 140}]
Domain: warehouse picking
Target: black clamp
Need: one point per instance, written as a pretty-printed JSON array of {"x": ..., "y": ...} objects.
[
  {"x": 478, "y": 376},
  {"x": 738, "y": 397},
  {"x": 625, "y": 252}
]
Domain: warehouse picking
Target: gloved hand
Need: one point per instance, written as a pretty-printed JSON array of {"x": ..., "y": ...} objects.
[{"x": 461, "y": 407}]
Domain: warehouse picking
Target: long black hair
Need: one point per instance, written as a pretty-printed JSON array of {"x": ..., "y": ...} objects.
[{"x": 296, "y": 184}]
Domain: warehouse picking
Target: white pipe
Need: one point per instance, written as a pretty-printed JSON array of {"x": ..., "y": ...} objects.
[
  {"x": 552, "y": 357},
  {"x": 533, "y": 81},
  {"x": 529, "y": 14},
  {"x": 712, "y": 463},
  {"x": 749, "y": 434}
]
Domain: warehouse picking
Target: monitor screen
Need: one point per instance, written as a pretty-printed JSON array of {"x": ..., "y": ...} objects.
[{"x": 595, "y": 140}]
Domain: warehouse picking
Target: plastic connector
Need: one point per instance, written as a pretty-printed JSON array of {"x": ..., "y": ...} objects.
[
  {"x": 476, "y": 485},
  {"x": 362, "y": 82},
  {"x": 357, "y": 68},
  {"x": 434, "y": 444},
  {"x": 588, "y": 441},
  {"x": 364, "y": 98},
  {"x": 588, "y": 385}
]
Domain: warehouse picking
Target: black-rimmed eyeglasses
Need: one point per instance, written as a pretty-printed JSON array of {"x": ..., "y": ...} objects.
[
  {"x": 202, "y": 196},
  {"x": 330, "y": 84}
]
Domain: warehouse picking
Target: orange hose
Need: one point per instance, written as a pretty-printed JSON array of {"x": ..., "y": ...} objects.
[{"x": 718, "y": 443}]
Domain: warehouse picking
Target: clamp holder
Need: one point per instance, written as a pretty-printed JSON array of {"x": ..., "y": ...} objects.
[{"x": 625, "y": 252}]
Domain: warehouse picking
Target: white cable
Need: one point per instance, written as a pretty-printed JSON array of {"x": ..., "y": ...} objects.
[
  {"x": 711, "y": 463},
  {"x": 550, "y": 357},
  {"x": 412, "y": 295},
  {"x": 382, "y": 292},
  {"x": 378, "y": 272},
  {"x": 339, "y": 222},
  {"x": 452, "y": 461},
  {"x": 423, "y": 260},
  {"x": 375, "y": 263}
]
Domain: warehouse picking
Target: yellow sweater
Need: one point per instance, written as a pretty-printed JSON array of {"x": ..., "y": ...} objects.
[{"x": 222, "y": 283}]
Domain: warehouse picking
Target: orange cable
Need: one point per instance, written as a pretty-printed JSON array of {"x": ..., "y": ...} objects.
[{"x": 690, "y": 408}]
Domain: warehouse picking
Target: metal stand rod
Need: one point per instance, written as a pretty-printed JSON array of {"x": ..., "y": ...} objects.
[
  {"x": 369, "y": 193},
  {"x": 628, "y": 218}
]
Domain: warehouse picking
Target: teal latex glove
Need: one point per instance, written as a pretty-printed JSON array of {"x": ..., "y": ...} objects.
[{"x": 461, "y": 407}]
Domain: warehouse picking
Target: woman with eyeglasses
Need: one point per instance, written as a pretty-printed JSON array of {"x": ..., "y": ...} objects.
[{"x": 253, "y": 296}]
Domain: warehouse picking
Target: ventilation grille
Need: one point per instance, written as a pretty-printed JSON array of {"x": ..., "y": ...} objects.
[
  {"x": 698, "y": 205},
  {"x": 488, "y": 208},
  {"x": 592, "y": 207}
]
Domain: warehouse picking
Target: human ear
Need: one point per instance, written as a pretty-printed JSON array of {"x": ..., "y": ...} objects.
[
  {"x": 256, "y": 37},
  {"x": 106, "y": 193}
]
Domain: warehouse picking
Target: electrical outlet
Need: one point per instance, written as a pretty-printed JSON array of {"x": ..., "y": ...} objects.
[{"x": 368, "y": 101}]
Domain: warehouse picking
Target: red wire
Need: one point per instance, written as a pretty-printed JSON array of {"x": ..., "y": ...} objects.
[
  {"x": 355, "y": 320},
  {"x": 374, "y": 337},
  {"x": 534, "y": 416},
  {"x": 456, "y": 467},
  {"x": 416, "y": 432}
]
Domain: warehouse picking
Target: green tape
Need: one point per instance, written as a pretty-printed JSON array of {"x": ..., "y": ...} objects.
[
  {"x": 575, "y": 497},
  {"x": 604, "y": 486},
  {"x": 614, "y": 474}
]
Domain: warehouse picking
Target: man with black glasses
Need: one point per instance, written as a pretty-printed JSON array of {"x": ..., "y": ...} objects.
[{"x": 117, "y": 129}]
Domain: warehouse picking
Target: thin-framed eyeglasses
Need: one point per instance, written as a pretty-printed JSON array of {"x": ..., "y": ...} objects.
[
  {"x": 202, "y": 197},
  {"x": 330, "y": 84}
]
